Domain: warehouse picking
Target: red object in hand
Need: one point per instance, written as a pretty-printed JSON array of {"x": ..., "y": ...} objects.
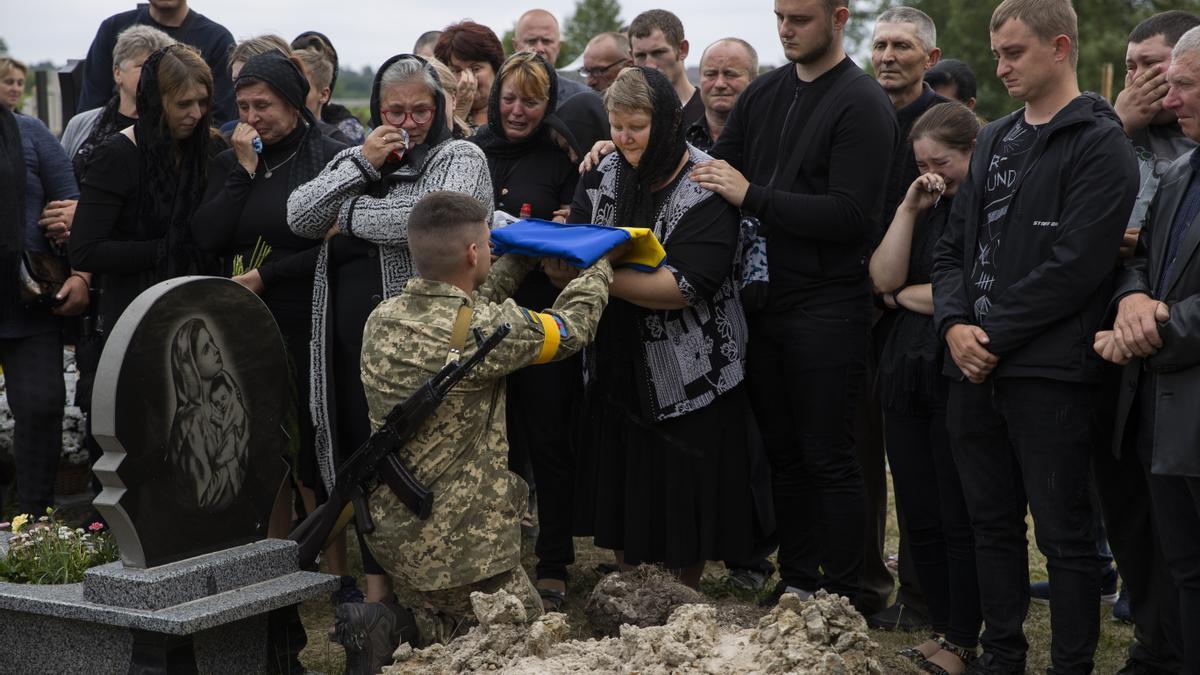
[{"x": 527, "y": 210}]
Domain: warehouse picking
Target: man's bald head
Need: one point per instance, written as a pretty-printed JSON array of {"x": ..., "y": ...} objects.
[
  {"x": 606, "y": 54},
  {"x": 537, "y": 31}
]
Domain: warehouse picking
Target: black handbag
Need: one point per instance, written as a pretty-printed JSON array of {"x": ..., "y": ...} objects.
[{"x": 42, "y": 276}]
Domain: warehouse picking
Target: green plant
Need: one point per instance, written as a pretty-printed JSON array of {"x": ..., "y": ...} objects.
[
  {"x": 257, "y": 257},
  {"x": 47, "y": 551}
]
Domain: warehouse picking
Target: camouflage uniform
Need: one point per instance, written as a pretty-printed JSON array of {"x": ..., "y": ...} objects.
[{"x": 472, "y": 539}]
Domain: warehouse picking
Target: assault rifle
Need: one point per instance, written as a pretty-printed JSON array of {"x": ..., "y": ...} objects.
[{"x": 377, "y": 460}]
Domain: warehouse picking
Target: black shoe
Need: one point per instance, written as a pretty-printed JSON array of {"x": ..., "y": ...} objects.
[
  {"x": 898, "y": 617},
  {"x": 987, "y": 664},
  {"x": 772, "y": 598},
  {"x": 1137, "y": 668},
  {"x": 347, "y": 592},
  {"x": 370, "y": 633}
]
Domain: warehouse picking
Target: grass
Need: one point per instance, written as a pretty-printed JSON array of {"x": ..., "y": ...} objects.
[{"x": 323, "y": 656}]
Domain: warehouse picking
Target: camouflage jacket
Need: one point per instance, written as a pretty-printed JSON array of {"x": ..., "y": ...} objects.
[{"x": 461, "y": 454}]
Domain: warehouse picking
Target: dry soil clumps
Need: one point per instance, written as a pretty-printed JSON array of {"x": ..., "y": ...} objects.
[{"x": 820, "y": 635}]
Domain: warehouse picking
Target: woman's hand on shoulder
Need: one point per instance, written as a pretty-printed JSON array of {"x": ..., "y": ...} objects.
[{"x": 597, "y": 153}]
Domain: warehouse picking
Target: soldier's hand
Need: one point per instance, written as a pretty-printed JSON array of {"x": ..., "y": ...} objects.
[{"x": 618, "y": 252}]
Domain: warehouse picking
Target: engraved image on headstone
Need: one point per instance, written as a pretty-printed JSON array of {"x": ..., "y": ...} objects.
[{"x": 192, "y": 407}]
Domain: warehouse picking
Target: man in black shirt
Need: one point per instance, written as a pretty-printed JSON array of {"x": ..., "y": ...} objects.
[
  {"x": 819, "y": 206},
  {"x": 174, "y": 18},
  {"x": 656, "y": 40},
  {"x": 1022, "y": 279}
]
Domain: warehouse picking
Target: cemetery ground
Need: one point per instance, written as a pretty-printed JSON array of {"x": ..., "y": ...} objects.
[{"x": 324, "y": 656}]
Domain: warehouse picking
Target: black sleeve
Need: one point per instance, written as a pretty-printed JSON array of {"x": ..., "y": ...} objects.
[
  {"x": 215, "y": 223},
  {"x": 111, "y": 183},
  {"x": 581, "y": 205},
  {"x": 224, "y": 106},
  {"x": 950, "y": 302},
  {"x": 97, "y": 69},
  {"x": 300, "y": 265},
  {"x": 700, "y": 249},
  {"x": 570, "y": 180},
  {"x": 864, "y": 138}
]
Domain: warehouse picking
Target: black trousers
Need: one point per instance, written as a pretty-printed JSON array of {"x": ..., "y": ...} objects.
[
  {"x": 540, "y": 402},
  {"x": 941, "y": 544},
  {"x": 33, "y": 376},
  {"x": 1123, "y": 488},
  {"x": 806, "y": 374},
  {"x": 1176, "y": 504},
  {"x": 1019, "y": 441}
]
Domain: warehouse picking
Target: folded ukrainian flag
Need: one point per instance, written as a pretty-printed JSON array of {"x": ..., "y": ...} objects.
[{"x": 579, "y": 244}]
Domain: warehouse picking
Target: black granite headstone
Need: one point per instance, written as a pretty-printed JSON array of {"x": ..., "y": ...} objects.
[{"x": 192, "y": 406}]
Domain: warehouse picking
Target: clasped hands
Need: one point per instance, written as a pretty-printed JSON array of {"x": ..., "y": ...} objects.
[
  {"x": 968, "y": 347},
  {"x": 561, "y": 273},
  {"x": 1135, "y": 332}
]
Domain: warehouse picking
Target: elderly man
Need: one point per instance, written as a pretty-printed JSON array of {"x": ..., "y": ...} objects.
[
  {"x": 656, "y": 39},
  {"x": 727, "y": 66},
  {"x": 537, "y": 31},
  {"x": 1157, "y": 336},
  {"x": 604, "y": 57},
  {"x": 903, "y": 47}
]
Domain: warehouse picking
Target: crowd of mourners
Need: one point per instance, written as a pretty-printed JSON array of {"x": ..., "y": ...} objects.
[{"x": 862, "y": 276}]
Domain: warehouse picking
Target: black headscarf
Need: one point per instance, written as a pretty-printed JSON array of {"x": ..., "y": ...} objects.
[
  {"x": 106, "y": 125},
  {"x": 414, "y": 158},
  {"x": 173, "y": 175},
  {"x": 280, "y": 74},
  {"x": 551, "y": 130},
  {"x": 635, "y": 199},
  {"x": 12, "y": 210}
]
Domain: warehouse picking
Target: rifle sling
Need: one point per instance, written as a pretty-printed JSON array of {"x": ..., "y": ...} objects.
[{"x": 458, "y": 336}]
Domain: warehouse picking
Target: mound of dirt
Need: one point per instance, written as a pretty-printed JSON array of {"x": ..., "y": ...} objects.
[
  {"x": 642, "y": 597},
  {"x": 820, "y": 635}
]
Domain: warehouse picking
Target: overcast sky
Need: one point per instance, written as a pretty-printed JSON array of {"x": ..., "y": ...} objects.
[{"x": 365, "y": 32}]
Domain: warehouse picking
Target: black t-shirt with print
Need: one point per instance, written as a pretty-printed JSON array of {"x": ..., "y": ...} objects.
[{"x": 1010, "y": 159}]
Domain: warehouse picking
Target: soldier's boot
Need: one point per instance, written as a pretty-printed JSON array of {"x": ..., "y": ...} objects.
[{"x": 370, "y": 632}]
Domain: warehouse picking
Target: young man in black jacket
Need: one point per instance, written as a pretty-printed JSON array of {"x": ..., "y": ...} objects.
[
  {"x": 820, "y": 205},
  {"x": 174, "y": 18},
  {"x": 1021, "y": 281}
]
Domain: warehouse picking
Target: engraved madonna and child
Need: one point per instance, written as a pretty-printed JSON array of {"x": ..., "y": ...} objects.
[{"x": 210, "y": 438}]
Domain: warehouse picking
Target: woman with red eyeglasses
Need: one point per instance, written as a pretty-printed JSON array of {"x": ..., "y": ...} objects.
[{"x": 360, "y": 204}]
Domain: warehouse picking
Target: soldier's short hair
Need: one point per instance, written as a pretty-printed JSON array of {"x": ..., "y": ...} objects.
[{"x": 439, "y": 225}]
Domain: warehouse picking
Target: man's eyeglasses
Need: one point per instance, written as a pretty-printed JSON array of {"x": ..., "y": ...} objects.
[
  {"x": 397, "y": 117},
  {"x": 599, "y": 70}
]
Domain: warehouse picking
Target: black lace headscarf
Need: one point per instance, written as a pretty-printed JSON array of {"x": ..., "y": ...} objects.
[
  {"x": 664, "y": 150},
  {"x": 173, "y": 173},
  {"x": 413, "y": 165},
  {"x": 551, "y": 130},
  {"x": 285, "y": 79},
  {"x": 12, "y": 210}
]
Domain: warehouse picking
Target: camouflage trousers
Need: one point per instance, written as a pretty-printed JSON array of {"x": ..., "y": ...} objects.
[{"x": 445, "y": 614}]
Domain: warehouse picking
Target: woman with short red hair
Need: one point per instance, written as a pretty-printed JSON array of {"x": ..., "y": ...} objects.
[{"x": 474, "y": 52}]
